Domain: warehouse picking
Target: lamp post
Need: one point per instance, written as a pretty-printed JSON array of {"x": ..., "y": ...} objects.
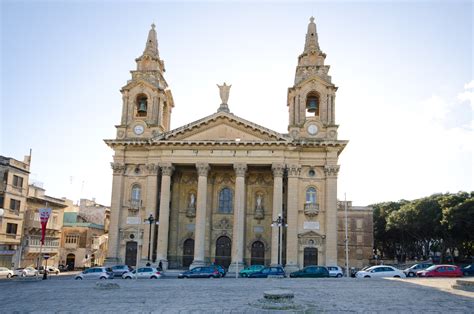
[
  {"x": 279, "y": 222},
  {"x": 150, "y": 220}
]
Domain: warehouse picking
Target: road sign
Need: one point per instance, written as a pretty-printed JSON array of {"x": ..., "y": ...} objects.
[{"x": 46, "y": 256}]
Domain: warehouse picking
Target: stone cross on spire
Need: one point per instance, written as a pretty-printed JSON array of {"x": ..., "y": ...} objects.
[
  {"x": 151, "y": 48},
  {"x": 311, "y": 42}
]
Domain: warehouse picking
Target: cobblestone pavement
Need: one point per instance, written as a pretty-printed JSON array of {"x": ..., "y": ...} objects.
[{"x": 231, "y": 295}]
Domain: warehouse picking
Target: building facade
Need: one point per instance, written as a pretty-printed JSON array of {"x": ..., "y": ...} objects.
[
  {"x": 223, "y": 189},
  {"x": 14, "y": 176}
]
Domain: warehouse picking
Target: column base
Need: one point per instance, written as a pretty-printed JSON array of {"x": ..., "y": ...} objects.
[
  {"x": 197, "y": 263},
  {"x": 111, "y": 261},
  {"x": 236, "y": 267},
  {"x": 289, "y": 268}
]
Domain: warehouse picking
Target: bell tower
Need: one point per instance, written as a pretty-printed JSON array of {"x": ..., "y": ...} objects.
[
  {"x": 311, "y": 100},
  {"x": 147, "y": 101}
]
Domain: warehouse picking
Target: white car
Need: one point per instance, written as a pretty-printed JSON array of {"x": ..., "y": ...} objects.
[
  {"x": 335, "y": 271},
  {"x": 25, "y": 272},
  {"x": 5, "y": 272},
  {"x": 380, "y": 271},
  {"x": 143, "y": 273},
  {"x": 95, "y": 273}
]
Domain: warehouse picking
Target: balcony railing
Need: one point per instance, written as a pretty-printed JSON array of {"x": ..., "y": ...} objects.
[
  {"x": 34, "y": 243},
  {"x": 311, "y": 209}
]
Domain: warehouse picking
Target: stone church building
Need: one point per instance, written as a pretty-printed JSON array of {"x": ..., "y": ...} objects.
[{"x": 223, "y": 189}]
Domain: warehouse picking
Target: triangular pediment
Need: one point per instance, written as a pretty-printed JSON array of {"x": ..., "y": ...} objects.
[
  {"x": 222, "y": 126},
  {"x": 310, "y": 234}
]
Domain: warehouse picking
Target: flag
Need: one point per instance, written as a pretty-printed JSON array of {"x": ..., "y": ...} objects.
[{"x": 44, "y": 216}]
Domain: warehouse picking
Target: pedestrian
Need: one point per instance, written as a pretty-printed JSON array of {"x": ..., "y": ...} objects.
[
  {"x": 148, "y": 264},
  {"x": 160, "y": 265}
]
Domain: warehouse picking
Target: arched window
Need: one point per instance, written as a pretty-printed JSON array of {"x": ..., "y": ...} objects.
[
  {"x": 142, "y": 105},
  {"x": 225, "y": 201},
  {"x": 312, "y": 103},
  {"x": 136, "y": 196},
  {"x": 311, "y": 197}
]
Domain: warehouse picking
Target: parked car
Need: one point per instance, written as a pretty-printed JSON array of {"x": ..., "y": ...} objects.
[
  {"x": 335, "y": 271},
  {"x": 25, "y": 272},
  {"x": 96, "y": 273},
  {"x": 5, "y": 272},
  {"x": 50, "y": 270},
  {"x": 64, "y": 268},
  {"x": 380, "y": 271},
  {"x": 221, "y": 270},
  {"x": 441, "y": 271},
  {"x": 201, "y": 272},
  {"x": 250, "y": 270},
  {"x": 274, "y": 271},
  {"x": 119, "y": 270},
  {"x": 468, "y": 270},
  {"x": 143, "y": 273},
  {"x": 411, "y": 271},
  {"x": 311, "y": 272}
]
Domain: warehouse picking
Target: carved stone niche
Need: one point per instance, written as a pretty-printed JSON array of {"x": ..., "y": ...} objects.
[
  {"x": 259, "y": 210},
  {"x": 191, "y": 208},
  {"x": 311, "y": 209}
]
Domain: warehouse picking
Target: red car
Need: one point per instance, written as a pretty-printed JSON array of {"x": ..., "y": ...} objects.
[{"x": 441, "y": 271}]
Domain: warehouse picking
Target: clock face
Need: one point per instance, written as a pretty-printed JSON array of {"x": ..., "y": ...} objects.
[
  {"x": 138, "y": 129},
  {"x": 312, "y": 129}
]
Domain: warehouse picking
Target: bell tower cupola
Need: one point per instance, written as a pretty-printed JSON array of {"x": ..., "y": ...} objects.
[
  {"x": 147, "y": 100},
  {"x": 311, "y": 100}
]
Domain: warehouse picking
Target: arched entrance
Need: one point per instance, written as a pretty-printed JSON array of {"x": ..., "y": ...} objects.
[
  {"x": 131, "y": 253},
  {"x": 258, "y": 253},
  {"x": 223, "y": 251},
  {"x": 70, "y": 261},
  {"x": 188, "y": 252},
  {"x": 310, "y": 256}
]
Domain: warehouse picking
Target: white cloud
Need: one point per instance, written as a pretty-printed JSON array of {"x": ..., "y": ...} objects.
[{"x": 469, "y": 85}]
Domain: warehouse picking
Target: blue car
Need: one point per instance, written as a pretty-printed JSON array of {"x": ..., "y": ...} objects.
[
  {"x": 201, "y": 272},
  {"x": 269, "y": 272}
]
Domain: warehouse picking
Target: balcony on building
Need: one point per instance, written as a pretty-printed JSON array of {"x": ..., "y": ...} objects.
[
  {"x": 33, "y": 245},
  {"x": 311, "y": 209}
]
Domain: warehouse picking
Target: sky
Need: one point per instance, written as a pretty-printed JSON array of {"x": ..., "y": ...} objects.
[{"x": 404, "y": 72}]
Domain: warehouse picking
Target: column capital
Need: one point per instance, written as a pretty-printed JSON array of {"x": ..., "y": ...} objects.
[
  {"x": 167, "y": 169},
  {"x": 240, "y": 169},
  {"x": 331, "y": 170},
  {"x": 152, "y": 169},
  {"x": 118, "y": 168},
  {"x": 278, "y": 169},
  {"x": 294, "y": 170},
  {"x": 203, "y": 169}
]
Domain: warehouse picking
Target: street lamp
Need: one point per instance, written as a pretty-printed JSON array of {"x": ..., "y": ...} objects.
[
  {"x": 150, "y": 220},
  {"x": 279, "y": 222}
]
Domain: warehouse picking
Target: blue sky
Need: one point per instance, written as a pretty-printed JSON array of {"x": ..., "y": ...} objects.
[{"x": 404, "y": 72}]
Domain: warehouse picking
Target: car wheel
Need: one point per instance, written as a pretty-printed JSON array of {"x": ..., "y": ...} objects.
[
  {"x": 57, "y": 273},
  {"x": 128, "y": 277},
  {"x": 78, "y": 278},
  {"x": 244, "y": 275},
  {"x": 339, "y": 275},
  {"x": 211, "y": 277},
  {"x": 366, "y": 276},
  {"x": 9, "y": 276},
  {"x": 396, "y": 276},
  {"x": 23, "y": 274},
  {"x": 153, "y": 277},
  {"x": 102, "y": 278}
]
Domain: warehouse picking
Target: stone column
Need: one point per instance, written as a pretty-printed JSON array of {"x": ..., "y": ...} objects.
[
  {"x": 331, "y": 214},
  {"x": 278, "y": 170},
  {"x": 164, "y": 218},
  {"x": 292, "y": 219},
  {"x": 115, "y": 213},
  {"x": 239, "y": 219},
  {"x": 125, "y": 107},
  {"x": 150, "y": 206},
  {"x": 201, "y": 206}
]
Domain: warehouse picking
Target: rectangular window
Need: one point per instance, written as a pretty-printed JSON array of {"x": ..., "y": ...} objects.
[
  {"x": 2, "y": 200},
  {"x": 11, "y": 228},
  {"x": 17, "y": 181},
  {"x": 359, "y": 223},
  {"x": 14, "y": 204},
  {"x": 360, "y": 239},
  {"x": 72, "y": 238}
]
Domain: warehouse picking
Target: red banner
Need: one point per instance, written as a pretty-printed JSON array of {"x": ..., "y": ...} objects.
[{"x": 44, "y": 214}]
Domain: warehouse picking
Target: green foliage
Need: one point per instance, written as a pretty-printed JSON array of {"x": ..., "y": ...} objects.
[{"x": 438, "y": 223}]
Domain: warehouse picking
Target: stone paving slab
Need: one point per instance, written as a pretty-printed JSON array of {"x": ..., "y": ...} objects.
[{"x": 229, "y": 295}]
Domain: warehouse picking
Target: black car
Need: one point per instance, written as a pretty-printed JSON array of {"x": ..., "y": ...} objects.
[
  {"x": 468, "y": 270},
  {"x": 311, "y": 272},
  {"x": 201, "y": 272},
  {"x": 275, "y": 271},
  {"x": 119, "y": 270}
]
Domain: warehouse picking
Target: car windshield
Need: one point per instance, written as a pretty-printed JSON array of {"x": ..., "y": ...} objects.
[{"x": 431, "y": 268}]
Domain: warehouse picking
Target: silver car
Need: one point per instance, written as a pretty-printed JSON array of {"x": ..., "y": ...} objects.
[
  {"x": 95, "y": 273},
  {"x": 143, "y": 273},
  {"x": 5, "y": 272},
  {"x": 335, "y": 271},
  {"x": 25, "y": 272}
]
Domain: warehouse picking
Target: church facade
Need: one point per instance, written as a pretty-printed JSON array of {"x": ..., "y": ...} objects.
[{"x": 223, "y": 189}]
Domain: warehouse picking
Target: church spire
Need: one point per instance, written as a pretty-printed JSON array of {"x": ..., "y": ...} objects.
[
  {"x": 151, "y": 48},
  {"x": 150, "y": 59},
  {"x": 311, "y": 42}
]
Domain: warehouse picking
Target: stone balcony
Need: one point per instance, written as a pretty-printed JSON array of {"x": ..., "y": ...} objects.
[
  {"x": 34, "y": 245},
  {"x": 311, "y": 209}
]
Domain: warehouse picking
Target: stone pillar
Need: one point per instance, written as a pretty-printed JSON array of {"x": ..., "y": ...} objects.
[
  {"x": 115, "y": 213},
  {"x": 239, "y": 219},
  {"x": 150, "y": 206},
  {"x": 331, "y": 214},
  {"x": 201, "y": 206},
  {"x": 292, "y": 219},
  {"x": 164, "y": 218},
  {"x": 125, "y": 107},
  {"x": 278, "y": 170}
]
